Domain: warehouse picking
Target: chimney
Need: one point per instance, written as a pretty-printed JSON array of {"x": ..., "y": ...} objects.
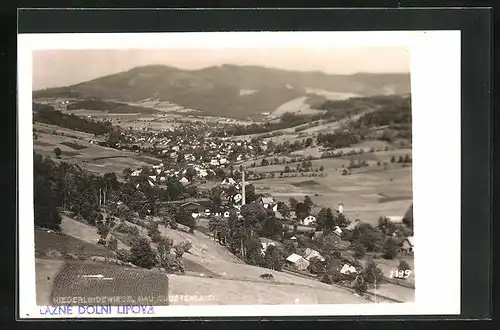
[{"x": 243, "y": 199}]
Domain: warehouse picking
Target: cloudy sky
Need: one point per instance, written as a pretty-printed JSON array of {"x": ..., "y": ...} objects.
[{"x": 53, "y": 68}]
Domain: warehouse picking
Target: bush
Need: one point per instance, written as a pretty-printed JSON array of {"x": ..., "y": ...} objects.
[
  {"x": 390, "y": 249},
  {"x": 142, "y": 255},
  {"x": 359, "y": 250},
  {"x": 181, "y": 248},
  {"x": 403, "y": 265},
  {"x": 123, "y": 255},
  {"x": 113, "y": 243},
  {"x": 360, "y": 285},
  {"x": 174, "y": 225}
]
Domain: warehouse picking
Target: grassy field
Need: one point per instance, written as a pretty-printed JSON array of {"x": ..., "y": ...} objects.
[
  {"x": 45, "y": 242},
  {"x": 365, "y": 196},
  {"x": 83, "y": 231},
  {"x": 88, "y": 155}
]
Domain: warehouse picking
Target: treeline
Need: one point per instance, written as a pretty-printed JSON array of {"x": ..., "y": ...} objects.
[
  {"x": 68, "y": 187},
  {"x": 115, "y": 107},
  {"x": 48, "y": 115},
  {"x": 337, "y": 140},
  {"x": 287, "y": 120}
]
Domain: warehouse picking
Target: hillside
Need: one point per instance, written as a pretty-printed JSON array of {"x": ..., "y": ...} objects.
[{"x": 228, "y": 90}]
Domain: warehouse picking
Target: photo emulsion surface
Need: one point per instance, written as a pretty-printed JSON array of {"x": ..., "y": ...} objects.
[{"x": 222, "y": 176}]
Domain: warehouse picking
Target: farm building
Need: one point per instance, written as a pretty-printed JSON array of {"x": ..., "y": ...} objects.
[
  {"x": 309, "y": 220},
  {"x": 297, "y": 261},
  {"x": 228, "y": 181},
  {"x": 395, "y": 219},
  {"x": 310, "y": 254},
  {"x": 348, "y": 270},
  {"x": 266, "y": 242},
  {"x": 266, "y": 201},
  {"x": 353, "y": 225},
  {"x": 407, "y": 246},
  {"x": 337, "y": 230}
]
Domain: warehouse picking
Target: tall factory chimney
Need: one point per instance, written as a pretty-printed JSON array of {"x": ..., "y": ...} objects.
[{"x": 243, "y": 199}]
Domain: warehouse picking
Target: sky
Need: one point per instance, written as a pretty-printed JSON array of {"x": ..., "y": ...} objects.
[{"x": 55, "y": 68}]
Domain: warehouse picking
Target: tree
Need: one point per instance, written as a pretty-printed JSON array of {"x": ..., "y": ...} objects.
[
  {"x": 273, "y": 258},
  {"x": 360, "y": 285},
  {"x": 181, "y": 248},
  {"x": 250, "y": 195},
  {"x": 57, "y": 152},
  {"x": 316, "y": 266},
  {"x": 308, "y": 201},
  {"x": 408, "y": 218},
  {"x": 321, "y": 168},
  {"x": 359, "y": 250},
  {"x": 163, "y": 247},
  {"x": 293, "y": 203},
  {"x": 113, "y": 243},
  {"x": 393, "y": 159},
  {"x": 126, "y": 173},
  {"x": 407, "y": 159},
  {"x": 372, "y": 238},
  {"x": 190, "y": 173},
  {"x": 400, "y": 159},
  {"x": 371, "y": 273},
  {"x": 302, "y": 210},
  {"x": 390, "y": 249},
  {"x": 142, "y": 254},
  {"x": 321, "y": 219},
  {"x": 404, "y": 266},
  {"x": 46, "y": 213},
  {"x": 102, "y": 231},
  {"x": 329, "y": 219}
]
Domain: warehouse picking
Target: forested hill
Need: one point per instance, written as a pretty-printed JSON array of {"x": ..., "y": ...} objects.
[{"x": 228, "y": 90}]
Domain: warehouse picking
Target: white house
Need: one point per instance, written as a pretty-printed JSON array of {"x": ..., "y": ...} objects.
[
  {"x": 266, "y": 242},
  {"x": 310, "y": 254},
  {"x": 309, "y": 220},
  {"x": 348, "y": 270},
  {"x": 226, "y": 214},
  {"x": 341, "y": 208},
  {"x": 337, "y": 230},
  {"x": 136, "y": 172},
  {"x": 229, "y": 181},
  {"x": 266, "y": 201},
  {"x": 395, "y": 219},
  {"x": 237, "y": 198},
  {"x": 298, "y": 261},
  {"x": 275, "y": 208},
  {"x": 184, "y": 180}
]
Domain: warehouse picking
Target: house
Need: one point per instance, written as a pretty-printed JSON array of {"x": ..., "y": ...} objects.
[
  {"x": 229, "y": 181},
  {"x": 338, "y": 231},
  {"x": 395, "y": 219},
  {"x": 266, "y": 242},
  {"x": 407, "y": 246},
  {"x": 297, "y": 261},
  {"x": 348, "y": 270},
  {"x": 237, "y": 198},
  {"x": 275, "y": 208},
  {"x": 309, "y": 220},
  {"x": 310, "y": 254},
  {"x": 266, "y": 201},
  {"x": 353, "y": 225},
  {"x": 184, "y": 180},
  {"x": 136, "y": 172}
]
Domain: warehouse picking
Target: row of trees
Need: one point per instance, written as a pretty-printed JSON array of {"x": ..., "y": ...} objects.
[
  {"x": 48, "y": 115},
  {"x": 61, "y": 185}
]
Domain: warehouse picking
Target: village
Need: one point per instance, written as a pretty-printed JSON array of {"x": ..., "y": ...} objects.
[{"x": 282, "y": 200}]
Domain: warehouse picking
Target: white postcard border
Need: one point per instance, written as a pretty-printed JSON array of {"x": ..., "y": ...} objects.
[{"x": 435, "y": 87}]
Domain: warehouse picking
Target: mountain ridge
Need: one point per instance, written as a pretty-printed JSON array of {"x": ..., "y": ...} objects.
[{"x": 228, "y": 89}]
